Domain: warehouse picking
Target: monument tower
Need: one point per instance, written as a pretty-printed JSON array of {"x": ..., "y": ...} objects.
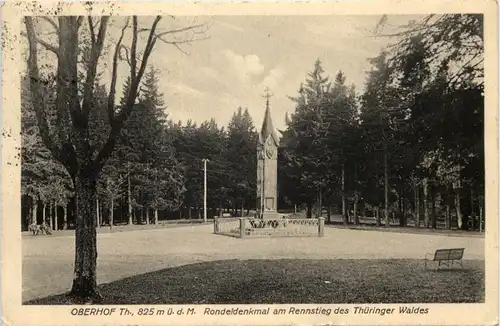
[{"x": 267, "y": 166}]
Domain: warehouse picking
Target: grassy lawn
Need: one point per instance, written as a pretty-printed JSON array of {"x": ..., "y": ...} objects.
[{"x": 295, "y": 281}]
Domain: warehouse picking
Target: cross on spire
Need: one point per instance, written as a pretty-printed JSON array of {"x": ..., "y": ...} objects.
[
  {"x": 267, "y": 124},
  {"x": 267, "y": 95}
]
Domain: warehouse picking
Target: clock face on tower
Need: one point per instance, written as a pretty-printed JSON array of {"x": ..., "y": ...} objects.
[
  {"x": 269, "y": 152},
  {"x": 270, "y": 148}
]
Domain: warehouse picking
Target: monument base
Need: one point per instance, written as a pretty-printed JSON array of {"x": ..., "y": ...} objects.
[{"x": 271, "y": 215}]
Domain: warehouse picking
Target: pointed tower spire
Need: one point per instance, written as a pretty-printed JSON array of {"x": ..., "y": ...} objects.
[{"x": 267, "y": 125}]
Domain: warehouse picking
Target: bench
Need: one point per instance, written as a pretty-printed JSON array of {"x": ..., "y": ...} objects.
[
  {"x": 445, "y": 257},
  {"x": 36, "y": 229}
]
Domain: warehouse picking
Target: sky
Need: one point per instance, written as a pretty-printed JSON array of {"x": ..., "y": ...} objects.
[
  {"x": 232, "y": 62},
  {"x": 245, "y": 54}
]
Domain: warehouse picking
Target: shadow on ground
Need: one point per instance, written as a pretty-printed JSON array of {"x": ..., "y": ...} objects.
[
  {"x": 295, "y": 281},
  {"x": 406, "y": 229}
]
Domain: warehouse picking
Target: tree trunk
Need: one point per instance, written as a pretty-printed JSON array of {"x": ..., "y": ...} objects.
[
  {"x": 147, "y": 215},
  {"x": 457, "y": 205},
  {"x": 434, "y": 219},
  {"x": 481, "y": 221},
  {"x": 84, "y": 277},
  {"x": 309, "y": 210},
  {"x": 51, "y": 210},
  {"x": 405, "y": 215},
  {"x": 356, "y": 217},
  {"x": 344, "y": 208},
  {"x": 129, "y": 200},
  {"x": 139, "y": 215},
  {"x": 295, "y": 208},
  {"x": 111, "y": 212},
  {"x": 44, "y": 219},
  {"x": 320, "y": 204},
  {"x": 156, "y": 216},
  {"x": 329, "y": 213},
  {"x": 417, "y": 206},
  {"x": 29, "y": 215},
  {"x": 386, "y": 190},
  {"x": 56, "y": 224},
  {"x": 400, "y": 210},
  {"x": 472, "y": 210},
  {"x": 377, "y": 215},
  {"x": 65, "y": 217},
  {"x": 426, "y": 205},
  {"x": 242, "y": 207},
  {"x": 35, "y": 210},
  {"x": 448, "y": 216},
  {"x": 356, "y": 195},
  {"x": 98, "y": 215},
  {"x": 189, "y": 212}
]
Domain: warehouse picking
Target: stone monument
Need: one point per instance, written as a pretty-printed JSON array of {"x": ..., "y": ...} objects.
[{"x": 267, "y": 167}]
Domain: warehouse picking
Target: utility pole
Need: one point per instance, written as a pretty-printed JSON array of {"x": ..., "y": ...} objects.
[
  {"x": 129, "y": 196},
  {"x": 205, "y": 190}
]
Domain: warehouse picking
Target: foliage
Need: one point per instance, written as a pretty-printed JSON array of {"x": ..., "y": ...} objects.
[{"x": 420, "y": 117}]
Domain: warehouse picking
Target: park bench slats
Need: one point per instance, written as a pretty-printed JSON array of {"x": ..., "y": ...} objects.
[{"x": 446, "y": 257}]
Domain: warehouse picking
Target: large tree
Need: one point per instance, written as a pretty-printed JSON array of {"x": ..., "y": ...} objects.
[{"x": 69, "y": 138}]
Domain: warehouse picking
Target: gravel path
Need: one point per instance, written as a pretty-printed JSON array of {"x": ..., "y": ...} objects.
[{"x": 48, "y": 261}]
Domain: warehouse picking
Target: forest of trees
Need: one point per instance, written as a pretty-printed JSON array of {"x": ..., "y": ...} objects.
[
  {"x": 155, "y": 171},
  {"x": 409, "y": 146}
]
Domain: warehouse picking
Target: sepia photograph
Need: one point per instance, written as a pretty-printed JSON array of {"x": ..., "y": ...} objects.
[{"x": 263, "y": 160}]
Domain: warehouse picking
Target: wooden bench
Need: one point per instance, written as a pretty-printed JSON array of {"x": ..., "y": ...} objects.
[{"x": 445, "y": 257}]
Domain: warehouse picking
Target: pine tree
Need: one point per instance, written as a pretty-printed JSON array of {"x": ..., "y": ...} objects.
[
  {"x": 241, "y": 145},
  {"x": 306, "y": 149}
]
